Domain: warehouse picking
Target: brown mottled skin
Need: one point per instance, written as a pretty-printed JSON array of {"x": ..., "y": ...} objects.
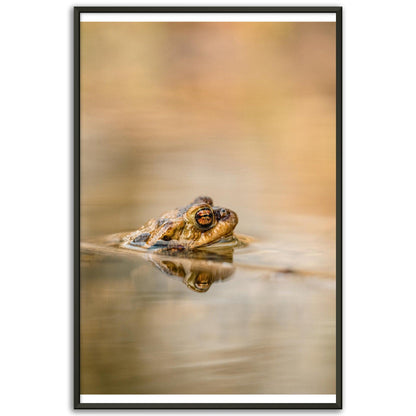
[{"x": 198, "y": 224}]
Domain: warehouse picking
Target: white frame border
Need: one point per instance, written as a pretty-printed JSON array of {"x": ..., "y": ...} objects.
[{"x": 207, "y": 17}]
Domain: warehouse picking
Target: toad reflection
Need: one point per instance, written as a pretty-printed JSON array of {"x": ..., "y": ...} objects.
[{"x": 198, "y": 274}]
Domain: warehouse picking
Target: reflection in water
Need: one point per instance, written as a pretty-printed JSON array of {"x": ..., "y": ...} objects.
[
  {"x": 259, "y": 332},
  {"x": 197, "y": 274},
  {"x": 198, "y": 269}
]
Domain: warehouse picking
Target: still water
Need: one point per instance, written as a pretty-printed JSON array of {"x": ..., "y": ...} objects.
[
  {"x": 259, "y": 319},
  {"x": 244, "y": 113}
]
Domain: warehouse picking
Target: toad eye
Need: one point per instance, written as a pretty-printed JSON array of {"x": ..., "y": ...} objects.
[
  {"x": 224, "y": 213},
  {"x": 204, "y": 218}
]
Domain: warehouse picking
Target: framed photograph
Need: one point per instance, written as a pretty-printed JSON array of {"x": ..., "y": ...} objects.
[{"x": 208, "y": 207}]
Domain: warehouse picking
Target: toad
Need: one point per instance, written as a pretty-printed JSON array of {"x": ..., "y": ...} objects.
[{"x": 196, "y": 225}]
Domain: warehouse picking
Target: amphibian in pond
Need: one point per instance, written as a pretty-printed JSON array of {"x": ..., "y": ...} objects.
[{"x": 196, "y": 225}]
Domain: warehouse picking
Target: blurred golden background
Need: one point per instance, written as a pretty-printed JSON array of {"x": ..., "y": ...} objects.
[{"x": 243, "y": 112}]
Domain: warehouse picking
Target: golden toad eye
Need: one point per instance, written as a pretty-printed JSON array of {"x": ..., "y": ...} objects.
[{"x": 204, "y": 218}]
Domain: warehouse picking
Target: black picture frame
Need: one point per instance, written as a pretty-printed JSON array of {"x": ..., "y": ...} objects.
[{"x": 76, "y": 334}]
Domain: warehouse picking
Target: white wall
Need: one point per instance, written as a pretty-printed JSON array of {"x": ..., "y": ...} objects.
[{"x": 379, "y": 154}]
